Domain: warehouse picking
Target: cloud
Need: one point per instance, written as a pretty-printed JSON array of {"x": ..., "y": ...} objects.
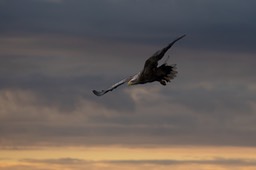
[
  {"x": 213, "y": 24},
  {"x": 218, "y": 161},
  {"x": 90, "y": 122},
  {"x": 68, "y": 161},
  {"x": 167, "y": 162},
  {"x": 197, "y": 108},
  {"x": 53, "y": 55}
]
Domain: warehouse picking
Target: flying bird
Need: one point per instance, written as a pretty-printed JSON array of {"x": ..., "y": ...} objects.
[{"x": 151, "y": 72}]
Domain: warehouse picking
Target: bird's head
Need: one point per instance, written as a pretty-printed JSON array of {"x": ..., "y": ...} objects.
[
  {"x": 130, "y": 83},
  {"x": 134, "y": 80}
]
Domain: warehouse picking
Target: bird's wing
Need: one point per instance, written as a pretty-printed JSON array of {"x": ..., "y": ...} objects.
[
  {"x": 102, "y": 92},
  {"x": 152, "y": 61}
]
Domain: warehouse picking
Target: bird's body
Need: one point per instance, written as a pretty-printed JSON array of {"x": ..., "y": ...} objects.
[{"x": 151, "y": 72}]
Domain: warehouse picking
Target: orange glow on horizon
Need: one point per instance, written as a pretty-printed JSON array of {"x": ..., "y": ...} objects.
[
  {"x": 131, "y": 153},
  {"x": 126, "y": 158}
]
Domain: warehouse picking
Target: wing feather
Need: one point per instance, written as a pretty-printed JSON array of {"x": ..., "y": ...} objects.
[
  {"x": 152, "y": 61},
  {"x": 102, "y": 92}
]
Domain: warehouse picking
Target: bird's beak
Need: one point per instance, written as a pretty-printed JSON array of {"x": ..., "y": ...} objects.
[{"x": 129, "y": 83}]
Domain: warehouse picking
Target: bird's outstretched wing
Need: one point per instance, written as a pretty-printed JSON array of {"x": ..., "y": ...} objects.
[
  {"x": 152, "y": 61},
  {"x": 102, "y": 92}
]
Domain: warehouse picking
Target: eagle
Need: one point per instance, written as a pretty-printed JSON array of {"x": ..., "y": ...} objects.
[{"x": 150, "y": 72}]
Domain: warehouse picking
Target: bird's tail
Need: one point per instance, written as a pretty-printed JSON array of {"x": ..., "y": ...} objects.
[{"x": 166, "y": 73}]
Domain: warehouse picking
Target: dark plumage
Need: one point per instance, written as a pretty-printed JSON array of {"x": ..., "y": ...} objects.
[
  {"x": 150, "y": 73},
  {"x": 166, "y": 73}
]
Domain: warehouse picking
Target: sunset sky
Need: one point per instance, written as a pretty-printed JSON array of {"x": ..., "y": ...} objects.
[{"x": 53, "y": 53}]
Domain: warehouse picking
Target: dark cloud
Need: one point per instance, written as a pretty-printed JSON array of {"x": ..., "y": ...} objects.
[
  {"x": 213, "y": 24},
  {"x": 53, "y": 53},
  {"x": 224, "y": 99},
  {"x": 66, "y": 92},
  {"x": 206, "y": 113}
]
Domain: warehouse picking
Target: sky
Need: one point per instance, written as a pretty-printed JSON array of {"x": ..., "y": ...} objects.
[{"x": 53, "y": 53}]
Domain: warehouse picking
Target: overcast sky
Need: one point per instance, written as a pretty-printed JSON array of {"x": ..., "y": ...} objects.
[{"x": 54, "y": 52}]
